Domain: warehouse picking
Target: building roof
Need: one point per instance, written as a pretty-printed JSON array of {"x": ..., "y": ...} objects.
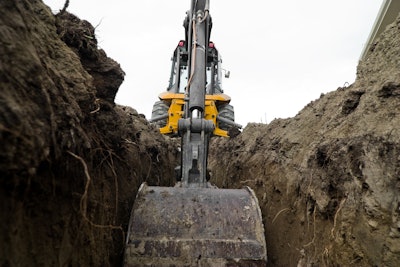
[{"x": 388, "y": 12}]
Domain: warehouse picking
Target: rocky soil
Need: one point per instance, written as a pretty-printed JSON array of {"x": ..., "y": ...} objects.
[{"x": 71, "y": 160}]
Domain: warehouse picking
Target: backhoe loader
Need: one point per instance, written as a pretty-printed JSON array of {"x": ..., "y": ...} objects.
[
  {"x": 170, "y": 108},
  {"x": 194, "y": 223}
]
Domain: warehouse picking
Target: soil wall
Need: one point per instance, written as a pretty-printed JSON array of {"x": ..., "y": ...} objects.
[
  {"x": 70, "y": 159},
  {"x": 328, "y": 180}
]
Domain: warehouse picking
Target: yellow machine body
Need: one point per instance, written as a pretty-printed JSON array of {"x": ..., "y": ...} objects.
[{"x": 176, "y": 103}]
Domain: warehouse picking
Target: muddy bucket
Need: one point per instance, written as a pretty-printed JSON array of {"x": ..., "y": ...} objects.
[{"x": 173, "y": 226}]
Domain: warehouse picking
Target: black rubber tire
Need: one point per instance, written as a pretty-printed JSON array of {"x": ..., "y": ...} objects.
[
  {"x": 226, "y": 112},
  {"x": 159, "y": 108}
]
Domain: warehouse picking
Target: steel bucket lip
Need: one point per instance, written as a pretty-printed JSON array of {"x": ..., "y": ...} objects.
[{"x": 176, "y": 192}]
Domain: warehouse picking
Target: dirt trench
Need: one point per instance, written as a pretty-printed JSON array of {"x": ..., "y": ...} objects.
[
  {"x": 71, "y": 160},
  {"x": 328, "y": 180}
]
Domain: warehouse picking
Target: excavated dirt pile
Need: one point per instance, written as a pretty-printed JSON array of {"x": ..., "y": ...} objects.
[
  {"x": 328, "y": 180},
  {"x": 70, "y": 159}
]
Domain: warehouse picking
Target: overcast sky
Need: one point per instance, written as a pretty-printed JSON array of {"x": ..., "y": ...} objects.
[{"x": 281, "y": 54}]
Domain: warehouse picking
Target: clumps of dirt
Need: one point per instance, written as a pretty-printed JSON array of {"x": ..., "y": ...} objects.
[
  {"x": 80, "y": 36},
  {"x": 71, "y": 160},
  {"x": 328, "y": 179}
]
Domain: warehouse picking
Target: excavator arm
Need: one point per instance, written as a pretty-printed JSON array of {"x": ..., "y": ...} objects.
[
  {"x": 194, "y": 223},
  {"x": 194, "y": 129}
]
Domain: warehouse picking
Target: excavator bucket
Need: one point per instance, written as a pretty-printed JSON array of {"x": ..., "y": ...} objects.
[{"x": 174, "y": 226}]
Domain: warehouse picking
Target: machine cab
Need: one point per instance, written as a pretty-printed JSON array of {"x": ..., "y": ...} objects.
[
  {"x": 179, "y": 76},
  {"x": 167, "y": 112}
]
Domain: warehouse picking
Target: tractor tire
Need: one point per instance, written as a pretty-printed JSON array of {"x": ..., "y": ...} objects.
[
  {"x": 226, "y": 112},
  {"x": 159, "y": 109}
]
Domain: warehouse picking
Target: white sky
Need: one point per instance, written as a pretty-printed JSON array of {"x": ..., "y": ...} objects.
[{"x": 281, "y": 54}]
